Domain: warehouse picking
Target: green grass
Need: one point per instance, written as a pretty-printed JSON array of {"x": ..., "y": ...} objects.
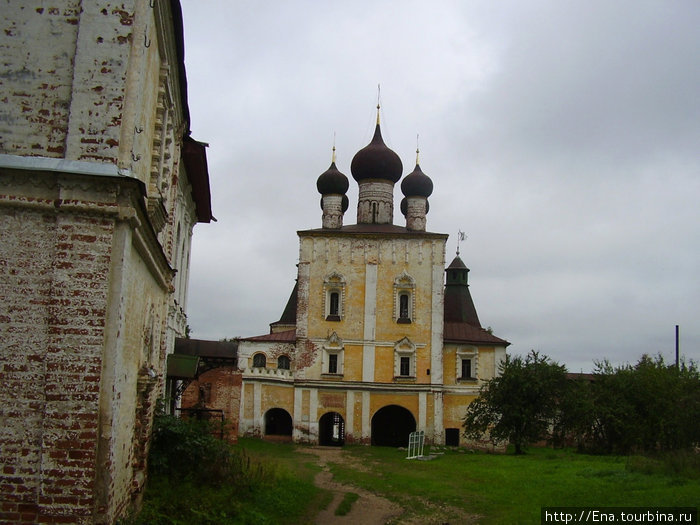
[
  {"x": 512, "y": 489},
  {"x": 498, "y": 488},
  {"x": 345, "y": 505},
  {"x": 275, "y": 486}
]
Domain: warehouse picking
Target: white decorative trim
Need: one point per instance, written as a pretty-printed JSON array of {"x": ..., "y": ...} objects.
[
  {"x": 404, "y": 284},
  {"x": 404, "y": 348},
  {"x": 333, "y": 346},
  {"x": 467, "y": 352},
  {"x": 333, "y": 282}
]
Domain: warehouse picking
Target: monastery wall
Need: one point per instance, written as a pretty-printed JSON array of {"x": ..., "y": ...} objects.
[
  {"x": 54, "y": 284},
  {"x": 217, "y": 389},
  {"x": 95, "y": 212},
  {"x": 67, "y": 93}
]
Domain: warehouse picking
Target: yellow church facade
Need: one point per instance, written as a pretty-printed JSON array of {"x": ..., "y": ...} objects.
[{"x": 379, "y": 338}]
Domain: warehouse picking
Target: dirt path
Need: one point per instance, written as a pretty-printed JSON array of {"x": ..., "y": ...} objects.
[{"x": 371, "y": 509}]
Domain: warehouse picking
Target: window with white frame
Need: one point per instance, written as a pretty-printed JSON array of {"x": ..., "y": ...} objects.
[
  {"x": 259, "y": 360},
  {"x": 405, "y": 359},
  {"x": 404, "y": 298},
  {"x": 332, "y": 363},
  {"x": 333, "y": 353},
  {"x": 466, "y": 364},
  {"x": 466, "y": 368},
  {"x": 333, "y": 296}
]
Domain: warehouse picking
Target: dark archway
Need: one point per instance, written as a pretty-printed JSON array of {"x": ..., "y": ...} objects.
[
  {"x": 278, "y": 422},
  {"x": 391, "y": 426},
  {"x": 452, "y": 437},
  {"x": 331, "y": 430}
]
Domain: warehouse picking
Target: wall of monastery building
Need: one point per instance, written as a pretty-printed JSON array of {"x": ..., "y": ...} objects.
[
  {"x": 95, "y": 212},
  {"x": 352, "y": 362},
  {"x": 54, "y": 286},
  {"x": 455, "y": 408},
  {"x": 217, "y": 389},
  {"x": 84, "y": 332},
  {"x": 135, "y": 380},
  {"x": 392, "y": 257}
]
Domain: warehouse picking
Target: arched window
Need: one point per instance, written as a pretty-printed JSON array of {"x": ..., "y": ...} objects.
[
  {"x": 404, "y": 298},
  {"x": 283, "y": 362},
  {"x": 259, "y": 361},
  {"x": 333, "y": 296}
]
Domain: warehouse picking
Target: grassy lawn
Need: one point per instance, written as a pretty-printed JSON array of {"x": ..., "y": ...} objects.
[
  {"x": 274, "y": 487},
  {"x": 277, "y": 487},
  {"x": 508, "y": 488}
]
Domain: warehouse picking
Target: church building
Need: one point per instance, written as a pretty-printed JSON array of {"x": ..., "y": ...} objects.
[{"x": 378, "y": 338}]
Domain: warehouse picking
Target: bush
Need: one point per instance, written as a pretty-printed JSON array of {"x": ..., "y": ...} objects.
[
  {"x": 185, "y": 449},
  {"x": 676, "y": 463},
  {"x": 195, "y": 478}
]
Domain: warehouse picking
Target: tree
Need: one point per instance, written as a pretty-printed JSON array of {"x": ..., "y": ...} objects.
[
  {"x": 649, "y": 407},
  {"x": 520, "y": 404}
]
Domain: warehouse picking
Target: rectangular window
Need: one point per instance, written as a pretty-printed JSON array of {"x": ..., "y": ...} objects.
[
  {"x": 334, "y": 303},
  {"x": 404, "y": 308},
  {"x": 466, "y": 368},
  {"x": 333, "y": 363},
  {"x": 405, "y": 366}
]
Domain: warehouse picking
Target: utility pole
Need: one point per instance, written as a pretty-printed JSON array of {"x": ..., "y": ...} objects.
[{"x": 677, "y": 348}]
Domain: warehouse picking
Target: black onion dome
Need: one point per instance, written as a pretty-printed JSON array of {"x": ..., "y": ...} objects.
[
  {"x": 417, "y": 184},
  {"x": 376, "y": 161},
  {"x": 332, "y": 181}
]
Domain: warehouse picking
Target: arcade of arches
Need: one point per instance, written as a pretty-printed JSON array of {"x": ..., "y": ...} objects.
[{"x": 391, "y": 426}]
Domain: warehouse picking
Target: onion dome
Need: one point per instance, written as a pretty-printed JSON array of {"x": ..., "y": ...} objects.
[
  {"x": 332, "y": 180},
  {"x": 417, "y": 184},
  {"x": 376, "y": 160}
]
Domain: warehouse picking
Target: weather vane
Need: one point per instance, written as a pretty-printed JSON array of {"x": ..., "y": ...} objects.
[{"x": 460, "y": 237}]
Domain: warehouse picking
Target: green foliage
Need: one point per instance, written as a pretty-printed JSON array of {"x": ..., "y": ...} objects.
[
  {"x": 186, "y": 449},
  {"x": 520, "y": 404},
  {"x": 647, "y": 407},
  {"x": 195, "y": 478},
  {"x": 676, "y": 463}
]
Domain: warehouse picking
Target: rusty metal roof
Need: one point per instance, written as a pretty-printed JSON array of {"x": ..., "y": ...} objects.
[
  {"x": 466, "y": 333},
  {"x": 288, "y": 336}
]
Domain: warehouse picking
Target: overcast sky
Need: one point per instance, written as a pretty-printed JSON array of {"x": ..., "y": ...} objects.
[{"x": 562, "y": 136}]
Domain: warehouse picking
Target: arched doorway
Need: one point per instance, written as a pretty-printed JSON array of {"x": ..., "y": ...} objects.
[
  {"x": 391, "y": 426},
  {"x": 278, "y": 422},
  {"x": 331, "y": 430}
]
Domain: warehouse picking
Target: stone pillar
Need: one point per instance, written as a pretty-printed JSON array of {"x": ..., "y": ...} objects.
[
  {"x": 416, "y": 209},
  {"x": 332, "y": 205}
]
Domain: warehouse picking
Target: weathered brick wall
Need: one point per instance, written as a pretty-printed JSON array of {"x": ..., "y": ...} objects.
[
  {"x": 37, "y": 80},
  {"x": 63, "y": 83},
  {"x": 218, "y": 389},
  {"x": 54, "y": 270},
  {"x": 86, "y": 310}
]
